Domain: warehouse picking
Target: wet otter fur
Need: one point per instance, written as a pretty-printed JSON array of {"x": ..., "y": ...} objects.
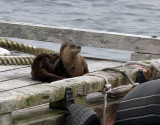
[{"x": 51, "y": 67}]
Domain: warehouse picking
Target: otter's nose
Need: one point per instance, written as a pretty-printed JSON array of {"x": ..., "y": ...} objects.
[{"x": 79, "y": 47}]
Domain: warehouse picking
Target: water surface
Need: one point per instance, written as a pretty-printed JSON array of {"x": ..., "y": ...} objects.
[{"x": 140, "y": 17}]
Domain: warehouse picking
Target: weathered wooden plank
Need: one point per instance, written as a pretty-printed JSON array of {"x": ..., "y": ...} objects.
[
  {"x": 51, "y": 92},
  {"x": 40, "y": 94},
  {"x": 97, "y": 64},
  {"x": 39, "y": 115},
  {"x": 141, "y": 57},
  {"x": 17, "y": 83},
  {"x": 83, "y": 37},
  {"x": 15, "y": 73},
  {"x": 4, "y": 68}
]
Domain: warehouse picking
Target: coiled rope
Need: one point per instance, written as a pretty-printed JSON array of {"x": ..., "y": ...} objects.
[
  {"x": 16, "y": 60},
  {"x": 11, "y": 45},
  {"x": 20, "y": 60}
]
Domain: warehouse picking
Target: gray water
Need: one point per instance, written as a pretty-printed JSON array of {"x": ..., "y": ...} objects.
[{"x": 140, "y": 17}]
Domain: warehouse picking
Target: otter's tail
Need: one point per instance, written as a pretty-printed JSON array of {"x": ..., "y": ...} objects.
[{"x": 45, "y": 76}]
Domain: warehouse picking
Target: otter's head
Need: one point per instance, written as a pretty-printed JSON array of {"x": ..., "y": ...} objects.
[{"x": 70, "y": 48}]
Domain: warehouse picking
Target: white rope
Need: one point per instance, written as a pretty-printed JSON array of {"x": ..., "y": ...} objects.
[
  {"x": 106, "y": 89},
  {"x": 138, "y": 63},
  {"x": 147, "y": 64},
  {"x": 104, "y": 110},
  {"x": 129, "y": 78},
  {"x": 155, "y": 66}
]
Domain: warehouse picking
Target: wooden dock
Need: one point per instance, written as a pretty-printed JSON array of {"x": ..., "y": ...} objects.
[
  {"x": 19, "y": 93},
  {"x": 17, "y": 88},
  {"x": 24, "y": 101},
  {"x": 16, "y": 76}
]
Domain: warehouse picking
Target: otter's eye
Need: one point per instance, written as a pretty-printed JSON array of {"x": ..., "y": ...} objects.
[{"x": 72, "y": 46}]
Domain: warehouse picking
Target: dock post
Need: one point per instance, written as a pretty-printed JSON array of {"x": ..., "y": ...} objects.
[{"x": 6, "y": 119}]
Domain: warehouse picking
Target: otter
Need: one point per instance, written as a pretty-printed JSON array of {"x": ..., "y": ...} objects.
[{"x": 52, "y": 67}]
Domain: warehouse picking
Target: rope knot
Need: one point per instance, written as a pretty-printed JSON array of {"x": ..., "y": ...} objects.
[{"x": 107, "y": 88}]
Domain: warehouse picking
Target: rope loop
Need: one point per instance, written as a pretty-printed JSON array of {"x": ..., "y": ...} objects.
[
  {"x": 12, "y": 45},
  {"x": 20, "y": 60}
]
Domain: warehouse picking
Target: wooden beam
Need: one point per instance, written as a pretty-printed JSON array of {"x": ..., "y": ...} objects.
[
  {"x": 50, "y": 92},
  {"x": 17, "y": 83},
  {"x": 141, "y": 57},
  {"x": 14, "y": 73},
  {"x": 83, "y": 37},
  {"x": 5, "y": 68}
]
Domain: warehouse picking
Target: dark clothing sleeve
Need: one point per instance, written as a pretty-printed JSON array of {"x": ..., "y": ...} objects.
[{"x": 141, "y": 106}]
